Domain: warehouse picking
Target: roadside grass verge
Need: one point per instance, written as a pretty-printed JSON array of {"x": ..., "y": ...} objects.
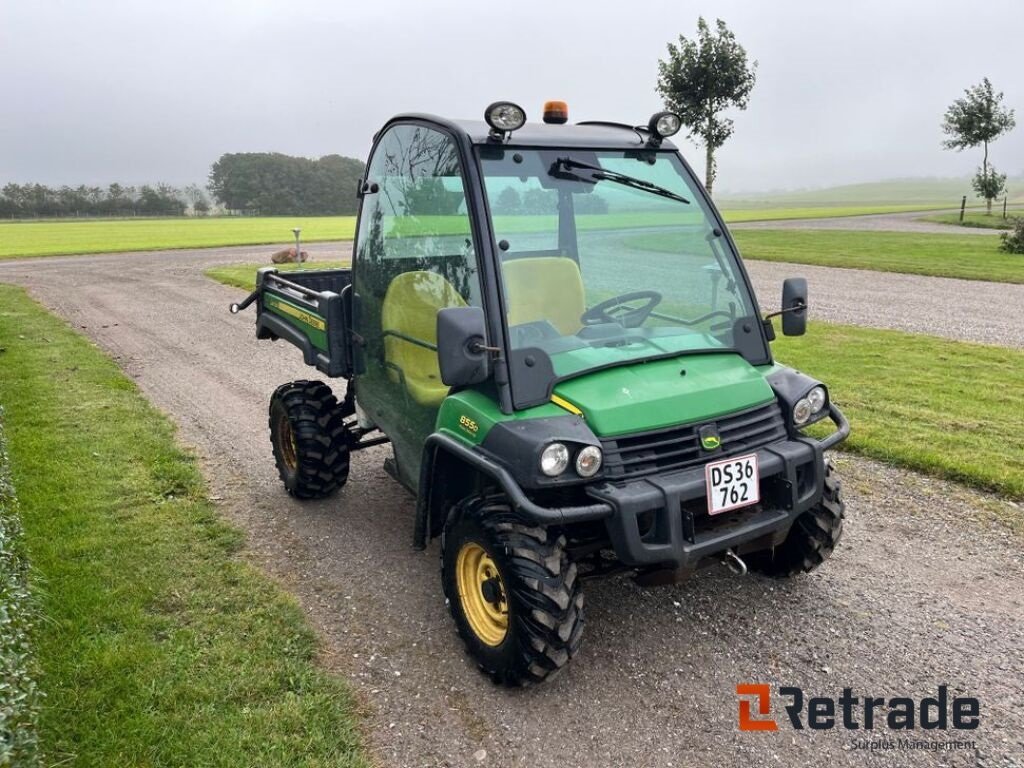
[
  {"x": 159, "y": 645},
  {"x": 22, "y": 239},
  {"x": 20, "y": 697},
  {"x": 977, "y": 219},
  {"x": 946, "y": 408},
  {"x": 962, "y": 256}
]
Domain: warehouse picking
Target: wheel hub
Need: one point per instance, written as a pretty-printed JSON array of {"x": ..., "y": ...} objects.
[
  {"x": 289, "y": 448},
  {"x": 482, "y": 594}
]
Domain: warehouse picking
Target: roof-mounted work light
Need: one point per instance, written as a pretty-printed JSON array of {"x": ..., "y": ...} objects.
[
  {"x": 662, "y": 125},
  {"x": 504, "y": 117}
]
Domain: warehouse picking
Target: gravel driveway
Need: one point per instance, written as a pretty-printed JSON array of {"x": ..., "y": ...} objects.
[
  {"x": 876, "y": 222},
  {"x": 927, "y": 588}
]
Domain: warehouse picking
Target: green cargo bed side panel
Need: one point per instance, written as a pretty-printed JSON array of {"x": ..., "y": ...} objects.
[
  {"x": 309, "y": 323},
  {"x": 662, "y": 393}
]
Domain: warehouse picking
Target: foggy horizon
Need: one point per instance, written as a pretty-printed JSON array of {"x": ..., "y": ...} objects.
[{"x": 119, "y": 92}]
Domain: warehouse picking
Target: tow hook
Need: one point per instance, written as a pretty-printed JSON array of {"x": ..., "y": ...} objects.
[{"x": 734, "y": 563}]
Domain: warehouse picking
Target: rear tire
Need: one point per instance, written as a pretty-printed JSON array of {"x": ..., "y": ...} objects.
[
  {"x": 535, "y": 586},
  {"x": 309, "y": 438},
  {"x": 811, "y": 540}
]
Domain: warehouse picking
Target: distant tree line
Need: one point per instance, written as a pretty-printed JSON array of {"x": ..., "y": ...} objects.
[
  {"x": 39, "y": 200},
  {"x": 266, "y": 183},
  {"x": 270, "y": 183}
]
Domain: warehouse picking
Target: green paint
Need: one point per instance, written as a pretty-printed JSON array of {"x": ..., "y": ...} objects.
[
  {"x": 310, "y": 323},
  {"x": 629, "y": 399},
  {"x": 462, "y": 411},
  {"x": 644, "y": 396}
]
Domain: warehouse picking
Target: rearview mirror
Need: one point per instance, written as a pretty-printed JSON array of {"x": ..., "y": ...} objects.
[
  {"x": 461, "y": 347},
  {"x": 794, "y": 306}
]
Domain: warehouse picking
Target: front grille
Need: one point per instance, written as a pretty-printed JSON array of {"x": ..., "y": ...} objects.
[{"x": 664, "y": 450}]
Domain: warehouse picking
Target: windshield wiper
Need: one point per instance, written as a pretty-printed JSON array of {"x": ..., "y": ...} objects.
[{"x": 602, "y": 174}]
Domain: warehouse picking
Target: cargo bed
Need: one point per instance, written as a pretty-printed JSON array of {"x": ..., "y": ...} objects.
[{"x": 310, "y": 309}]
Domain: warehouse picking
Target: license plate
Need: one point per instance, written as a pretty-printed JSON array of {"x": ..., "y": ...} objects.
[{"x": 732, "y": 483}]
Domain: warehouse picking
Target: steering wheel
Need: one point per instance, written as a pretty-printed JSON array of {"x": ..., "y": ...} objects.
[{"x": 618, "y": 310}]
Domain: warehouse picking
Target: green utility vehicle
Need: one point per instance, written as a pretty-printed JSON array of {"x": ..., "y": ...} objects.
[{"x": 553, "y": 329}]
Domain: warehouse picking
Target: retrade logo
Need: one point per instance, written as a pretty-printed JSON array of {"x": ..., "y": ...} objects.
[
  {"x": 850, "y": 712},
  {"x": 762, "y": 697}
]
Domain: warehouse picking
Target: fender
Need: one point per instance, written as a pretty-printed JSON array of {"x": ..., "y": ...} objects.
[{"x": 429, "y": 510}]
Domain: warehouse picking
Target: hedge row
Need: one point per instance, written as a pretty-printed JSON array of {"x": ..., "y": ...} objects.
[{"x": 19, "y": 696}]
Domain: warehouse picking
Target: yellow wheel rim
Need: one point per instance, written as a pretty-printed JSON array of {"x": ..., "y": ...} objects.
[
  {"x": 482, "y": 594},
  {"x": 289, "y": 449}
]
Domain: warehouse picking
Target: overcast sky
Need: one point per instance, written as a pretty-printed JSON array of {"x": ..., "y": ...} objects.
[{"x": 94, "y": 91}]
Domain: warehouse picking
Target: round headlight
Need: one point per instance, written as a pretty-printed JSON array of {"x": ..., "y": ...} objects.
[
  {"x": 505, "y": 116},
  {"x": 801, "y": 411},
  {"x": 817, "y": 399},
  {"x": 554, "y": 460},
  {"x": 668, "y": 124},
  {"x": 588, "y": 461}
]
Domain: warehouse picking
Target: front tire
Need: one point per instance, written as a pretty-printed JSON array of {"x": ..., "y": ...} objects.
[
  {"x": 812, "y": 538},
  {"x": 309, "y": 438},
  {"x": 512, "y": 591}
]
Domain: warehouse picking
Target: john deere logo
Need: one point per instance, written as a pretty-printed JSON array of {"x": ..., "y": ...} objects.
[{"x": 710, "y": 440}]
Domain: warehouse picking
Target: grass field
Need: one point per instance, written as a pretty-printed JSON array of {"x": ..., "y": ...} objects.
[
  {"x": 948, "y": 408},
  {"x": 979, "y": 219},
  {"x": 22, "y": 239},
  {"x": 963, "y": 256},
  {"x": 159, "y": 645},
  {"x": 938, "y": 192}
]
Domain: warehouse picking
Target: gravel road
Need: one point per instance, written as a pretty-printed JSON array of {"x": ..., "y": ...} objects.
[
  {"x": 926, "y": 589},
  {"x": 876, "y": 222}
]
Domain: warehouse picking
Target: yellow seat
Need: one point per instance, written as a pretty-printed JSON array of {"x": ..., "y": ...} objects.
[
  {"x": 410, "y": 309},
  {"x": 544, "y": 288}
]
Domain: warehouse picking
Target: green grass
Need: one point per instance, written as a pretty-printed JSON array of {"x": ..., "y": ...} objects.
[
  {"x": 22, "y": 239},
  {"x": 964, "y": 256},
  {"x": 947, "y": 408},
  {"x": 159, "y": 644},
  {"x": 979, "y": 219},
  {"x": 935, "y": 192},
  {"x": 45, "y": 238},
  {"x": 777, "y": 213}
]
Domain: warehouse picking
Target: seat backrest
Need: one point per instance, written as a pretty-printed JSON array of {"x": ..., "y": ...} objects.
[
  {"x": 410, "y": 309},
  {"x": 544, "y": 288}
]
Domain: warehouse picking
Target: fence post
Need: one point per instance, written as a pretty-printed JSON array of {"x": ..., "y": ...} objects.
[
  {"x": 1004, "y": 205},
  {"x": 963, "y": 204}
]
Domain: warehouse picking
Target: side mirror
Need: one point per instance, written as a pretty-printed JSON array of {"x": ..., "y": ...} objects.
[
  {"x": 461, "y": 347},
  {"x": 794, "y": 306}
]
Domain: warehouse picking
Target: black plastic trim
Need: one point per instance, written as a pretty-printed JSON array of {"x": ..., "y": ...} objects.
[{"x": 519, "y": 500}]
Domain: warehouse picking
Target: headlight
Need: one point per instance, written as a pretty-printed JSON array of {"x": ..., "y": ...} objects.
[
  {"x": 802, "y": 411},
  {"x": 554, "y": 460},
  {"x": 588, "y": 461},
  {"x": 504, "y": 116},
  {"x": 817, "y": 399}
]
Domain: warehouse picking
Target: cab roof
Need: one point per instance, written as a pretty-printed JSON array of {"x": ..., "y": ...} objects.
[{"x": 594, "y": 135}]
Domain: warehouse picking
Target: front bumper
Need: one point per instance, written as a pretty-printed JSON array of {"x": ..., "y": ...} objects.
[{"x": 662, "y": 521}]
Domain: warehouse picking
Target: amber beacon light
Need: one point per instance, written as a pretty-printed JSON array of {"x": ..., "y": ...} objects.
[{"x": 556, "y": 112}]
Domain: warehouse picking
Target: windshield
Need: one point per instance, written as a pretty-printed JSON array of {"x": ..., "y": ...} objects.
[{"x": 609, "y": 258}]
